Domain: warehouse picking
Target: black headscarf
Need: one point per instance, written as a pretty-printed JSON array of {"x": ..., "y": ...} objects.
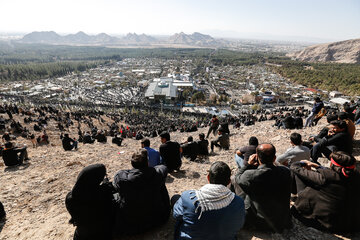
[
  {"x": 90, "y": 205},
  {"x": 88, "y": 181}
]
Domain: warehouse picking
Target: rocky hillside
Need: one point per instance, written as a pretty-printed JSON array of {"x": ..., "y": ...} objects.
[
  {"x": 196, "y": 38},
  {"x": 340, "y": 52},
  {"x": 135, "y": 38},
  {"x": 34, "y": 194}
]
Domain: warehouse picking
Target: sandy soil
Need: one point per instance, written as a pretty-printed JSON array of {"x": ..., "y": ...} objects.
[{"x": 33, "y": 194}]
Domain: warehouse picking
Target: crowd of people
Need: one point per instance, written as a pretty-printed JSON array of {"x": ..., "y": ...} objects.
[{"x": 257, "y": 196}]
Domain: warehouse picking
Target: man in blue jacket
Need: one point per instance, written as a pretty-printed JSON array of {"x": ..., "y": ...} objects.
[
  {"x": 318, "y": 105},
  {"x": 154, "y": 158},
  {"x": 212, "y": 212}
]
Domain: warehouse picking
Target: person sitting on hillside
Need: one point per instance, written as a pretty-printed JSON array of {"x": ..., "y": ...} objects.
[
  {"x": 338, "y": 139},
  {"x": 350, "y": 125},
  {"x": 154, "y": 157},
  {"x": 33, "y": 140},
  {"x": 266, "y": 189},
  {"x": 37, "y": 128},
  {"x": 298, "y": 121},
  {"x": 87, "y": 138},
  {"x": 288, "y": 122},
  {"x": 90, "y": 204},
  {"x": 328, "y": 197},
  {"x": 222, "y": 141},
  {"x": 101, "y": 137},
  {"x": 296, "y": 153},
  {"x": 242, "y": 155},
  {"x": 203, "y": 145},
  {"x": 324, "y": 131},
  {"x": 190, "y": 149},
  {"x": 6, "y": 137},
  {"x": 349, "y": 111},
  {"x": 43, "y": 139},
  {"x": 170, "y": 152},
  {"x": 313, "y": 139},
  {"x": 212, "y": 212},
  {"x": 68, "y": 143},
  {"x": 11, "y": 157},
  {"x": 117, "y": 140},
  {"x": 145, "y": 202}
]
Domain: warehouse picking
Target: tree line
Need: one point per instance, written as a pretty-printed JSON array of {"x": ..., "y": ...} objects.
[
  {"x": 32, "y": 71},
  {"x": 327, "y": 76}
]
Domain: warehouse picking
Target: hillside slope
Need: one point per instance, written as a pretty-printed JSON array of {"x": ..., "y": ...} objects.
[
  {"x": 34, "y": 194},
  {"x": 340, "y": 52}
]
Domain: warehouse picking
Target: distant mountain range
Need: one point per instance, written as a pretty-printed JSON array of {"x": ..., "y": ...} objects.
[
  {"x": 341, "y": 52},
  {"x": 81, "y": 38},
  {"x": 134, "y": 38},
  {"x": 78, "y": 38},
  {"x": 196, "y": 38}
]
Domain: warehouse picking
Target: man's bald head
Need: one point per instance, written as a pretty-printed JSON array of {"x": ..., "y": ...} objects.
[{"x": 266, "y": 153}]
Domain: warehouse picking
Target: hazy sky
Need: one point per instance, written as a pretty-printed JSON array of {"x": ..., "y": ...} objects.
[{"x": 325, "y": 19}]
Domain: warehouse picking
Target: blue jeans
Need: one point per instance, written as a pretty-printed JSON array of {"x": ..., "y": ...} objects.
[
  {"x": 309, "y": 120},
  {"x": 317, "y": 151},
  {"x": 239, "y": 161}
]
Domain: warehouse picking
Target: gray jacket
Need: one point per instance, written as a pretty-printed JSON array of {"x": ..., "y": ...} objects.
[{"x": 294, "y": 154}]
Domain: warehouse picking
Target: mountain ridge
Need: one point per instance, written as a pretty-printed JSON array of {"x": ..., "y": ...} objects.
[
  {"x": 347, "y": 51},
  {"x": 51, "y": 37}
]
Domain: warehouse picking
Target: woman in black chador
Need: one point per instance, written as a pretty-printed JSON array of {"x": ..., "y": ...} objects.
[{"x": 90, "y": 205}]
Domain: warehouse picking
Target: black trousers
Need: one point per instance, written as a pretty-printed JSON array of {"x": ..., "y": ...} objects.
[{"x": 211, "y": 129}]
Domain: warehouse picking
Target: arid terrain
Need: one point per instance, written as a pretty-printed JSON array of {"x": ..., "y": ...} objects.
[
  {"x": 34, "y": 194},
  {"x": 340, "y": 52}
]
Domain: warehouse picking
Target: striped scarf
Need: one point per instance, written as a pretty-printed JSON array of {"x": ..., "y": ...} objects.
[{"x": 213, "y": 197}]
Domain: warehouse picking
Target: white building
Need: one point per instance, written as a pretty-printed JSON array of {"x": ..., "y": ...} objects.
[
  {"x": 161, "y": 91},
  {"x": 166, "y": 89},
  {"x": 335, "y": 94}
]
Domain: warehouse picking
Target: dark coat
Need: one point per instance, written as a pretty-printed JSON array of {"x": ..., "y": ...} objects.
[
  {"x": 190, "y": 150},
  {"x": 289, "y": 122},
  {"x": 10, "y": 156},
  {"x": 144, "y": 199},
  {"x": 329, "y": 198},
  {"x": 88, "y": 139},
  {"x": 67, "y": 143},
  {"x": 267, "y": 193},
  {"x": 223, "y": 140},
  {"x": 170, "y": 154},
  {"x": 203, "y": 147},
  {"x": 341, "y": 140},
  {"x": 90, "y": 205}
]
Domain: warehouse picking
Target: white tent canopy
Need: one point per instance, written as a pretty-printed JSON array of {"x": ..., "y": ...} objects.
[{"x": 339, "y": 100}]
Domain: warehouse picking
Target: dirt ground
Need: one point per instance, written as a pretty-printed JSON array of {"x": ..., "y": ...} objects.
[{"x": 34, "y": 194}]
